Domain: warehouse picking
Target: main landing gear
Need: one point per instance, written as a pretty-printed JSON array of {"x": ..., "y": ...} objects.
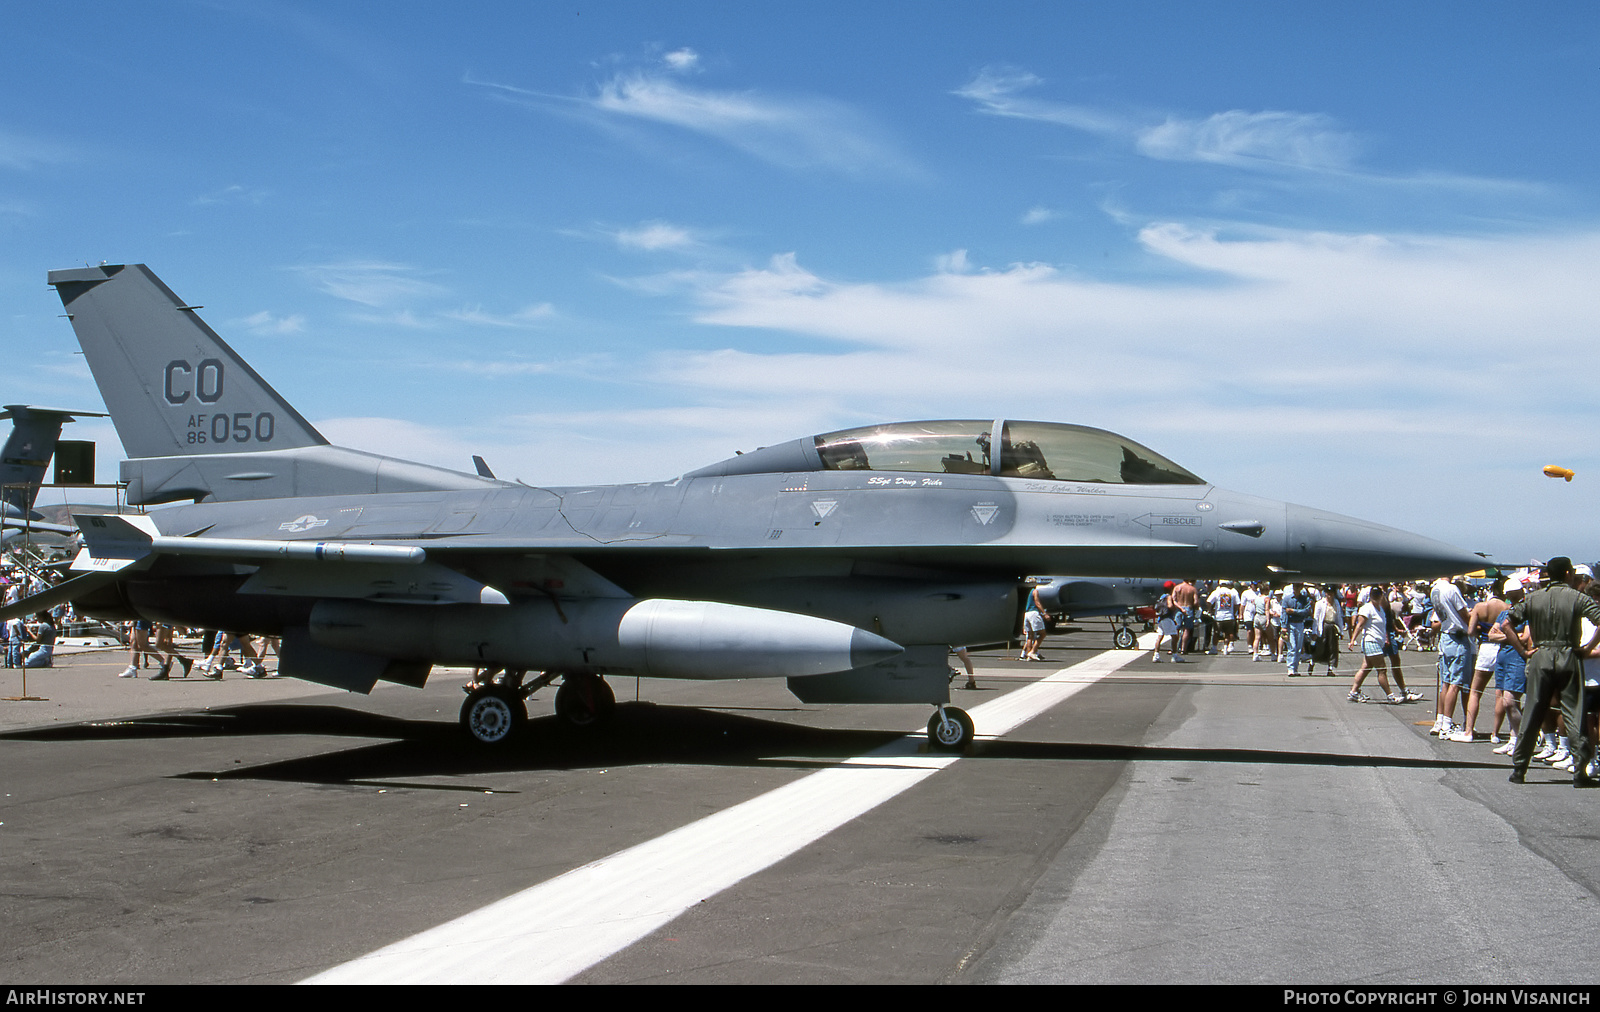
[
  {"x": 585, "y": 701},
  {"x": 950, "y": 730},
  {"x": 496, "y": 709},
  {"x": 493, "y": 714}
]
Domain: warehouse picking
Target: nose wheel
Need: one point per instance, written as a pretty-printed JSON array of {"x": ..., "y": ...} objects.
[
  {"x": 1124, "y": 638},
  {"x": 950, "y": 730}
]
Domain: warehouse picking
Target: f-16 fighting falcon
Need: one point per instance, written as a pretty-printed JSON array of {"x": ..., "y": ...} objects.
[{"x": 845, "y": 562}]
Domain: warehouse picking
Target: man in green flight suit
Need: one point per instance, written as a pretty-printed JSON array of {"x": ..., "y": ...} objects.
[{"x": 1555, "y": 665}]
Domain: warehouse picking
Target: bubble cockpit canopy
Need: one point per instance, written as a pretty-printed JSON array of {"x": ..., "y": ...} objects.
[
  {"x": 1047, "y": 451},
  {"x": 1043, "y": 451}
]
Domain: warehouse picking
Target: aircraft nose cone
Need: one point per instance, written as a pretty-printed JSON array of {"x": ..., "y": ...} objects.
[
  {"x": 1333, "y": 546},
  {"x": 870, "y": 648}
]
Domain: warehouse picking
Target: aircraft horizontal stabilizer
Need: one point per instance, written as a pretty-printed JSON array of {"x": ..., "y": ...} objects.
[{"x": 133, "y": 537}]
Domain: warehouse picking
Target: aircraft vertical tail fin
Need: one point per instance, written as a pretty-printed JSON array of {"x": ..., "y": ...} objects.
[
  {"x": 34, "y": 432},
  {"x": 173, "y": 387}
]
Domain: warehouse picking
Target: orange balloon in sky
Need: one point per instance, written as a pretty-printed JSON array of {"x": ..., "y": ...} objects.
[{"x": 1557, "y": 471}]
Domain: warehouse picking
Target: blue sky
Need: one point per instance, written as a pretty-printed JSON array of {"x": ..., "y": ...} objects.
[{"x": 1344, "y": 254}]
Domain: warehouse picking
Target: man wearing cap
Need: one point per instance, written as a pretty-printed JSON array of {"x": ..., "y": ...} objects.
[
  {"x": 1555, "y": 664},
  {"x": 1297, "y": 608}
]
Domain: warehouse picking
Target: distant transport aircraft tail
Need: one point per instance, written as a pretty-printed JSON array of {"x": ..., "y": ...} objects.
[
  {"x": 34, "y": 432},
  {"x": 196, "y": 421}
]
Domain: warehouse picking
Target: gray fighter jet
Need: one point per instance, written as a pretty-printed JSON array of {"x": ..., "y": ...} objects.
[{"x": 844, "y": 562}]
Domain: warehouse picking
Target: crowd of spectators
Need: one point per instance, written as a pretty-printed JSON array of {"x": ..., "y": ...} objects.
[
  {"x": 30, "y": 642},
  {"x": 1478, "y": 629}
]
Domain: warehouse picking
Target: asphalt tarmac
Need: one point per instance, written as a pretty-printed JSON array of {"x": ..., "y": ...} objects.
[{"x": 1209, "y": 822}]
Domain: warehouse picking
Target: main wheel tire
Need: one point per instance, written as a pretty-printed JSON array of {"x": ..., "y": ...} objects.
[
  {"x": 492, "y": 715},
  {"x": 585, "y": 701},
  {"x": 1124, "y": 638},
  {"x": 951, "y": 733}
]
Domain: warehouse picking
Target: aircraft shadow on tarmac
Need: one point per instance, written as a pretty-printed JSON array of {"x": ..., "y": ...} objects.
[{"x": 640, "y": 734}]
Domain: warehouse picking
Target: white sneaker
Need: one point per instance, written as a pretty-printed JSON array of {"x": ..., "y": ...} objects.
[
  {"x": 1509, "y": 747},
  {"x": 1566, "y": 765},
  {"x": 1462, "y": 735},
  {"x": 1356, "y": 697},
  {"x": 129, "y": 672},
  {"x": 1155, "y": 658},
  {"x": 1559, "y": 756},
  {"x": 1546, "y": 749},
  {"x": 1395, "y": 697}
]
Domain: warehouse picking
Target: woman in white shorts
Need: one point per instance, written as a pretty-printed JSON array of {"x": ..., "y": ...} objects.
[{"x": 1371, "y": 632}]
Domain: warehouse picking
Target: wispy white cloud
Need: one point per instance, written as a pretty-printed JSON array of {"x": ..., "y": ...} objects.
[
  {"x": 523, "y": 319},
  {"x": 235, "y": 194},
  {"x": 266, "y": 324},
  {"x": 1037, "y": 215},
  {"x": 682, "y": 60},
  {"x": 794, "y": 132},
  {"x": 1260, "y": 140},
  {"x": 1236, "y": 137},
  {"x": 1252, "y": 139},
  {"x": 405, "y": 319},
  {"x": 370, "y": 283},
  {"x": 997, "y": 91},
  {"x": 652, "y": 236},
  {"x": 502, "y": 367}
]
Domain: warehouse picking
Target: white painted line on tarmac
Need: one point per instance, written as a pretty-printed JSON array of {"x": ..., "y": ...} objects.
[{"x": 557, "y": 929}]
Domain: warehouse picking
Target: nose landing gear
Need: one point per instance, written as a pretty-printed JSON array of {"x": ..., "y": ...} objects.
[{"x": 950, "y": 730}]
